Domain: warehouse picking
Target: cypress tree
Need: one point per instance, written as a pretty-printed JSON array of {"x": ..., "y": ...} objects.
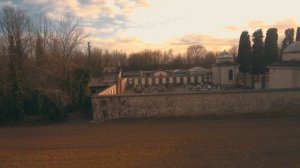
[
  {"x": 258, "y": 52},
  {"x": 298, "y": 34},
  {"x": 288, "y": 39},
  {"x": 271, "y": 46},
  {"x": 244, "y": 52}
]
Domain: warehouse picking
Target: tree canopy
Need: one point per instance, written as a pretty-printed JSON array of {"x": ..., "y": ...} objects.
[
  {"x": 298, "y": 34},
  {"x": 258, "y": 65},
  {"x": 244, "y": 52},
  {"x": 271, "y": 47},
  {"x": 288, "y": 39}
]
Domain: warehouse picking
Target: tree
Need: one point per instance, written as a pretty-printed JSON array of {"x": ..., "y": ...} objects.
[
  {"x": 67, "y": 36},
  {"x": 195, "y": 53},
  {"x": 288, "y": 39},
  {"x": 15, "y": 29},
  {"x": 258, "y": 52},
  {"x": 41, "y": 33},
  {"x": 298, "y": 34},
  {"x": 233, "y": 51},
  {"x": 271, "y": 46},
  {"x": 244, "y": 52}
]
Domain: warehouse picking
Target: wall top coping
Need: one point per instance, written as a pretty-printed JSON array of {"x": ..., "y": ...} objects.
[{"x": 198, "y": 92}]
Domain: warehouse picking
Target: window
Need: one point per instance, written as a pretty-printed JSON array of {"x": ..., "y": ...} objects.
[{"x": 230, "y": 77}]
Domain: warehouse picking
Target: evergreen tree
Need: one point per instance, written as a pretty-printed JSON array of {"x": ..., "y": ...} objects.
[
  {"x": 298, "y": 34},
  {"x": 244, "y": 52},
  {"x": 288, "y": 39},
  {"x": 258, "y": 52},
  {"x": 271, "y": 46}
]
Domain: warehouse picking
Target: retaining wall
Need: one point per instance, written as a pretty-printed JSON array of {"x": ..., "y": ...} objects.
[{"x": 195, "y": 104}]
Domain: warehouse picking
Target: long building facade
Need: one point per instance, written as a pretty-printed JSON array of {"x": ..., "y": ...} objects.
[{"x": 193, "y": 76}]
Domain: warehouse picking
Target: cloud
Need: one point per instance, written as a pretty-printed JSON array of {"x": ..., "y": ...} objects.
[
  {"x": 88, "y": 9},
  {"x": 257, "y": 24},
  {"x": 233, "y": 28},
  {"x": 7, "y": 3},
  {"x": 281, "y": 25},
  {"x": 126, "y": 44},
  {"x": 284, "y": 24},
  {"x": 209, "y": 42},
  {"x": 94, "y": 8},
  {"x": 178, "y": 45},
  {"x": 129, "y": 5}
]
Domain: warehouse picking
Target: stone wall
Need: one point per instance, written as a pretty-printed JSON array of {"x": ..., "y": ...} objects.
[{"x": 195, "y": 104}]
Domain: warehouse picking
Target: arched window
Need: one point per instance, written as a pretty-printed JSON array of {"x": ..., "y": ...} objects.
[{"x": 230, "y": 75}]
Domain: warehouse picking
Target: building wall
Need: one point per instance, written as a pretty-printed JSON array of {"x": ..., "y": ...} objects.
[
  {"x": 171, "y": 79},
  {"x": 195, "y": 104},
  {"x": 118, "y": 88},
  {"x": 160, "y": 73},
  {"x": 226, "y": 59},
  {"x": 254, "y": 81},
  {"x": 109, "y": 91},
  {"x": 216, "y": 75},
  {"x": 220, "y": 75},
  {"x": 284, "y": 77}
]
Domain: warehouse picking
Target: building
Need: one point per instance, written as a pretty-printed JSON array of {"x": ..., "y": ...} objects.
[
  {"x": 225, "y": 71},
  {"x": 110, "y": 76},
  {"x": 286, "y": 74},
  {"x": 193, "y": 76}
]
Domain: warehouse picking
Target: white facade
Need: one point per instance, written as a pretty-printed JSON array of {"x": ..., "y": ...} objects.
[
  {"x": 160, "y": 73},
  {"x": 199, "y": 71},
  {"x": 225, "y": 75},
  {"x": 286, "y": 74},
  {"x": 225, "y": 71},
  {"x": 224, "y": 57},
  {"x": 284, "y": 77}
]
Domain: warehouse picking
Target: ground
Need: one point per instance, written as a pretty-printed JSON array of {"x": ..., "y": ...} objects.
[{"x": 186, "y": 143}]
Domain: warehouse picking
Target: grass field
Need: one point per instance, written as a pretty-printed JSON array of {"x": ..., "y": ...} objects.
[{"x": 186, "y": 143}]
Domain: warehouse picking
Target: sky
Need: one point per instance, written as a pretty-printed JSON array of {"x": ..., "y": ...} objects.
[{"x": 135, "y": 25}]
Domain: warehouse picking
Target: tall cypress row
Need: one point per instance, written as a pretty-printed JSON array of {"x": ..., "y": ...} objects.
[
  {"x": 271, "y": 47},
  {"x": 289, "y": 38},
  {"x": 258, "y": 52},
  {"x": 244, "y": 52},
  {"x": 298, "y": 34}
]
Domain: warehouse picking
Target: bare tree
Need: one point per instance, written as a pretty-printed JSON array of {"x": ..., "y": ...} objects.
[
  {"x": 68, "y": 35},
  {"x": 234, "y": 51},
  {"x": 15, "y": 32},
  {"x": 41, "y": 35},
  {"x": 195, "y": 53}
]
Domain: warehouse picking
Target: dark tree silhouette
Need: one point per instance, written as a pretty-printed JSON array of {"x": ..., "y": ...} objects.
[
  {"x": 298, "y": 34},
  {"x": 244, "y": 52},
  {"x": 258, "y": 52},
  {"x": 288, "y": 39},
  {"x": 271, "y": 46}
]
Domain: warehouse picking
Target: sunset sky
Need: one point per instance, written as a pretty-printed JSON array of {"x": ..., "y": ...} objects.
[{"x": 134, "y": 25}]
